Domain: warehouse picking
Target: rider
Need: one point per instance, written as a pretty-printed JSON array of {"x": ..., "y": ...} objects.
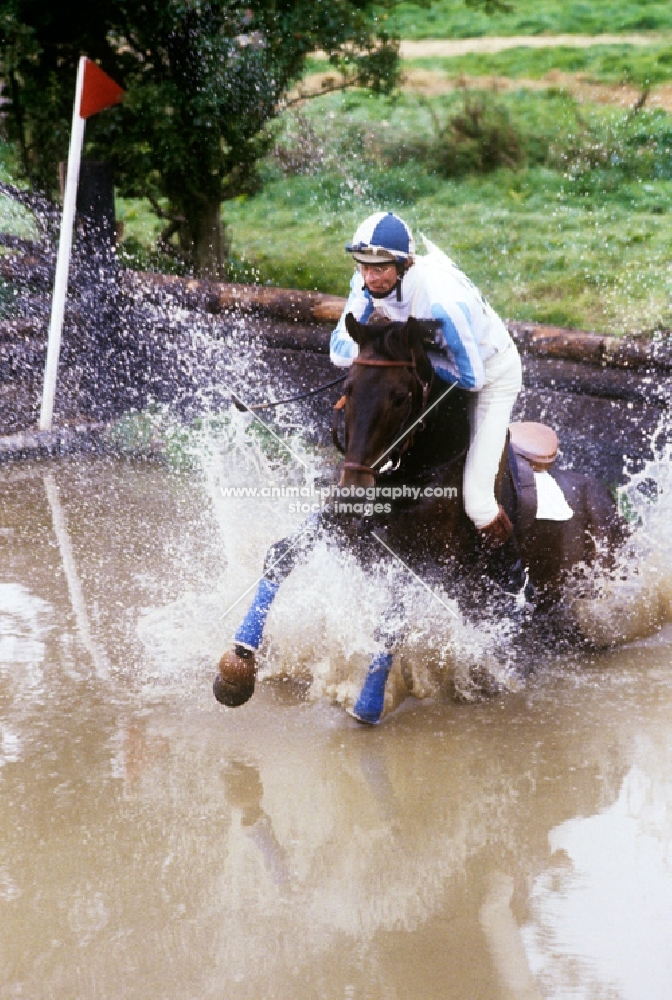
[{"x": 475, "y": 351}]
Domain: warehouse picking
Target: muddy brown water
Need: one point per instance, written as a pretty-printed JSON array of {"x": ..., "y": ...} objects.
[{"x": 155, "y": 845}]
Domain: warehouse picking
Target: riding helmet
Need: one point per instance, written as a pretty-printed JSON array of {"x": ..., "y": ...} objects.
[{"x": 382, "y": 237}]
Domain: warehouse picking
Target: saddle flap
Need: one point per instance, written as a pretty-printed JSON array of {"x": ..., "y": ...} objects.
[
  {"x": 537, "y": 443},
  {"x": 518, "y": 492}
]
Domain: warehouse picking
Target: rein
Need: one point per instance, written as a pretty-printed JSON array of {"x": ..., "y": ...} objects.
[{"x": 238, "y": 403}]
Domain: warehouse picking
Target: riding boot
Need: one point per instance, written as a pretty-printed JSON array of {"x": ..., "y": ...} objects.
[{"x": 505, "y": 566}]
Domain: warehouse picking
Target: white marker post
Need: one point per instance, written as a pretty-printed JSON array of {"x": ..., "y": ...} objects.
[
  {"x": 102, "y": 92},
  {"x": 63, "y": 258}
]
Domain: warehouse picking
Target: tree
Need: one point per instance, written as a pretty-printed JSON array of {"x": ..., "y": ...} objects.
[{"x": 203, "y": 80}]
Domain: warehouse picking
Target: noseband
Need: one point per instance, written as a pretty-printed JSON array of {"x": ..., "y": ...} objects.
[{"x": 408, "y": 440}]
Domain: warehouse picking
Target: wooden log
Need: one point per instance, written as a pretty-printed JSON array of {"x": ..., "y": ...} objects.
[
  {"x": 285, "y": 303},
  {"x": 313, "y": 309},
  {"x": 284, "y": 335},
  {"x": 591, "y": 348}
]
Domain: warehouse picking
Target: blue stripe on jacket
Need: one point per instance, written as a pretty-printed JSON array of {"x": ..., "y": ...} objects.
[{"x": 466, "y": 375}]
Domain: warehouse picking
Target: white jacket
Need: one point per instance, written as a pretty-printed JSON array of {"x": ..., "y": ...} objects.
[{"x": 433, "y": 288}]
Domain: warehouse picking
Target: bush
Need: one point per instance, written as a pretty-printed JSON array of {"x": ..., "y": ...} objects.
[
  {"x": 605, "y": 151},
  {"x": 299, "y": 149},
  {"x": 479, "y": 138}
]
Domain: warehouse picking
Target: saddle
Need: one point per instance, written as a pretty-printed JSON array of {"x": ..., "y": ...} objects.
[
  {"x": 536, "y": 443},
  {"x": 532, "y": 450}
]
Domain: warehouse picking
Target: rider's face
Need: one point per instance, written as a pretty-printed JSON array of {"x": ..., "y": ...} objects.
[{"x": 380, "y": 278}]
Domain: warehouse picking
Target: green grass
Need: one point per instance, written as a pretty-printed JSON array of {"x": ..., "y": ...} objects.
[
  {"x": 581, "y": 241},
  {"x": 16, "y": 219},
  {"x": 453, "y": 19},
  {"x": 610, "y": 64},
  {"x": 534, "y": 248}
]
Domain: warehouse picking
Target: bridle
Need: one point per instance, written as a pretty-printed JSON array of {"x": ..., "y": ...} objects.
[{"x": 407, "y": 440}]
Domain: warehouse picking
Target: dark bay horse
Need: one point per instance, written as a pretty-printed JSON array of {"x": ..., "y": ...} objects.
[{"x": 406, "y": 437}]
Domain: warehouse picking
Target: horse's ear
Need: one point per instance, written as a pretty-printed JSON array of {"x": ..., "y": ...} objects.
[
  {"x": 419, "y": 335},
  {"x": 360, "y": 332},
  {"x": 416, "y": 332}
]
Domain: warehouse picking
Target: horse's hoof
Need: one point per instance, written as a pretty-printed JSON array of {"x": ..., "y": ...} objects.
[{"x": 234, "y": 684}]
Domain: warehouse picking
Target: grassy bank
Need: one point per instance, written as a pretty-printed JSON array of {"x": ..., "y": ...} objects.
[
  {"x": 448, "y": 19},
  {"x": 577, "y": 235},
  {"x": 604, "y": 64},
  {"x": 536, "y": 252}
]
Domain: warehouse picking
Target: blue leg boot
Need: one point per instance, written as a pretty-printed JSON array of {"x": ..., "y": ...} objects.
[
  {"x": 369, "y": 705},
  {"x": 251, "y": 629}
]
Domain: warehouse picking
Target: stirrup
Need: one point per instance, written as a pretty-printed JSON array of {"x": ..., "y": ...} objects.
[
  {"x": 527, "y": 594},
  {"x": 519, "y": 604},
  {"x": 519, "y": 583}
]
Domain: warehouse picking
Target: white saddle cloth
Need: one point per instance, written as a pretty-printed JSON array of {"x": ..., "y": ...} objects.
[{"x": 551, "y": 503}]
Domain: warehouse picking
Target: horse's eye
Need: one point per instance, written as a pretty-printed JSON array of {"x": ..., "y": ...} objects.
[{"x": 399, "y": 398}]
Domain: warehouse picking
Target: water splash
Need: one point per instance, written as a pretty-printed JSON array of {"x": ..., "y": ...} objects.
[
  {"x": 634, "y": 599},
  {"x": 321, "y": 631}
]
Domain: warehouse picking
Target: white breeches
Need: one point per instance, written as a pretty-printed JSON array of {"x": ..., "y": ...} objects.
[{"x": 489, "y": 416}]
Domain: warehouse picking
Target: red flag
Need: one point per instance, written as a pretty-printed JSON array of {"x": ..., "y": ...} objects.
[{"x": 99, "y": 91}]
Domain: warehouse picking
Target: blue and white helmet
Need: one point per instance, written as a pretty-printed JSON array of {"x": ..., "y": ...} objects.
[{"x": 380, "y": 238}]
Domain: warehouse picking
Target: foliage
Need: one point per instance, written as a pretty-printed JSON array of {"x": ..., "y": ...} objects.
[
  {"x": 14, "y": 218},
  {"x": 135, "y": 255},
  {"x": 607, "y": 149},
  {"x": 479, "y": 137},
  {"x": 203, "y": 79}
]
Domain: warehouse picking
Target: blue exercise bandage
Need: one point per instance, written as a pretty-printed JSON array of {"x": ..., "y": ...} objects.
[
  {"x": 369, "y": 705},
  {"x": 251, "y": 629}
]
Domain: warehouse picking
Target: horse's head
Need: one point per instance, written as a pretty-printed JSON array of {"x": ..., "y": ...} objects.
[{"x": 386, "y": 391}]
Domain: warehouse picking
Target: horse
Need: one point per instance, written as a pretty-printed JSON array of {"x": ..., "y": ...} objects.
[{"x": 406, "y": 438}]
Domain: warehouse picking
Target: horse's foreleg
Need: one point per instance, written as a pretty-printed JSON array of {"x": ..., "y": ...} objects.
[
  {"x": 280, "y": 560},
  {"x": 371, "y": 700},
  {"x": 234, "y": 683}
]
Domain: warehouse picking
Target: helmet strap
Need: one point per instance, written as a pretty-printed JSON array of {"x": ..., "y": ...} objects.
[{"x": 401, "y": 271}]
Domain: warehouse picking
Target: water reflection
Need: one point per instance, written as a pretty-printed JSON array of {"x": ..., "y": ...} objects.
[
  {"x": 153, "y": 844},
  {"x": 602, "y": 906}
]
